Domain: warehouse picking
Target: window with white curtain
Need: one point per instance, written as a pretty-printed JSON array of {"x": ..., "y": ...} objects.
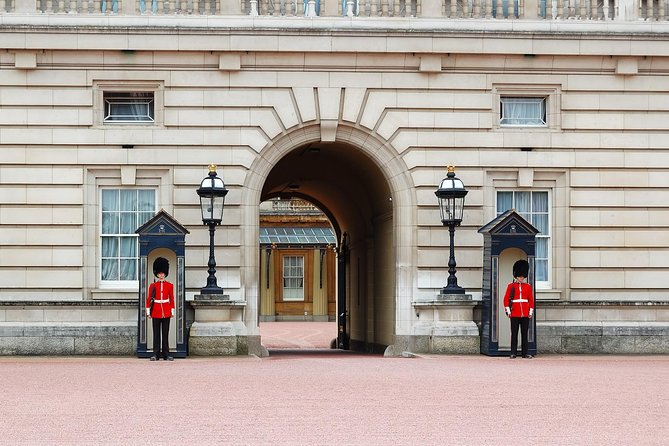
[
  {"x": 293, "y": 278},
  {"x": 522, "y": 111},
  {"x": 122, "y": 212},
  {"x": 128, "y": 107},
  {"x": 534, "y": 206}
]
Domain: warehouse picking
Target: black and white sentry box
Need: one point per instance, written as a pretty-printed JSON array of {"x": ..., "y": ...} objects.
[
  {"x": 163, "y": 236},
  {"x": 506, "y": 239}
]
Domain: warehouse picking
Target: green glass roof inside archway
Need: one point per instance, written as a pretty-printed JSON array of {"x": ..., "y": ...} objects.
[{"x": 297, "y": 236}]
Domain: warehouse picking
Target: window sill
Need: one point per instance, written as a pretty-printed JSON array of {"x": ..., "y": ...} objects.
[
  {"x": 548, "y": 295},
  {"x": 524, "y": 126},
  {"x": 114, "y": 294},
  {"x": 132, "y": 123}
]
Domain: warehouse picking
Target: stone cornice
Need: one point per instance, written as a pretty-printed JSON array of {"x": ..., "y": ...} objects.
[{"x": 327, "y": 34}]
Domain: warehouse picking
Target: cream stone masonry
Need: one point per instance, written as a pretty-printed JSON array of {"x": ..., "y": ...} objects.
[{"x": 249, "y": 93}]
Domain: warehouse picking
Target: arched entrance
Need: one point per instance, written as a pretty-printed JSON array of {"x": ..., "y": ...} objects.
[{"x": 364, "y": 188}]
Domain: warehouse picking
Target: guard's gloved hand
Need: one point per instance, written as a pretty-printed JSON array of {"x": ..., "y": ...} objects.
[
  {"x": 172, "y": 312},
  {"x": 507, "y": 310},
  {"x": 148, "y": 311},
  {"x": 531, "y": 312}
]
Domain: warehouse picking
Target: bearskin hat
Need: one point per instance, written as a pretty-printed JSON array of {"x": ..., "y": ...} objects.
[
  {"x": 521, "y": 268},
  {"x": 161, "y": 265}
]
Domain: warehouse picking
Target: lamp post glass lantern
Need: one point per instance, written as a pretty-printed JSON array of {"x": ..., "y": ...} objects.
[
  {"x": 451, "y": 195},
  {"x": 212, "y": 194}
]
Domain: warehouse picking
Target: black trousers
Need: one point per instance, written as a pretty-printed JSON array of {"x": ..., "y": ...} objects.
[
  {"x": 161, "y": 331},
  {"x": 524, "y": 324}
]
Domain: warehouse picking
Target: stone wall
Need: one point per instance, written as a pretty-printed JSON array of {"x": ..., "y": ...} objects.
[
  {"x": 606, "y": 327},
  {"x": 68, "y": 328},
  {"x": 417, "y": 96}
]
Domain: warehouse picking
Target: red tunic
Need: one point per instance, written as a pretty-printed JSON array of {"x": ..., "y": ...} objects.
[
  {"x": 523, "y": 299},
  {"x": 164, "y": 299}
]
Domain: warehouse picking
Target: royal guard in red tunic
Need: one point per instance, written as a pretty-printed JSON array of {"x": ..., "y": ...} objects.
[
  {"x": 160, "y": 308},
  {"x": 519, "y": 307}
]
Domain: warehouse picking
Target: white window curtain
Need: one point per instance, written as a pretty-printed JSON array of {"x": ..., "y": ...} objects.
[
  {"x": 123, "y": 211},
  {"x": 523, "y": 111},
  {"x": 540, "y": 220},
  {"x": 534, "y": 207}
]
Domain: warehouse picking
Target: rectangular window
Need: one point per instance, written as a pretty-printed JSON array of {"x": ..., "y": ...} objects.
[
  {"x": 123, "y": 211},
  {"x": 128, "y": 107},
  {"x": 293, "y": 278},
  {"x": 535, "y": 208},
  {"x": 523, "y": 111}
]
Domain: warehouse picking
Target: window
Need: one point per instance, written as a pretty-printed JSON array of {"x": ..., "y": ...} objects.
[
  {"x": 293, "y": 278},
  {"x": 535, "y": 208},
  {"x": 123, "y": 211},
  {"x": 124, "y": 107},
  {"x": 523, "y": 111}
]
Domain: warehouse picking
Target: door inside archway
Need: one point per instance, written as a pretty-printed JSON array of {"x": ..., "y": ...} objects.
[{"x": 353, "y": 193}]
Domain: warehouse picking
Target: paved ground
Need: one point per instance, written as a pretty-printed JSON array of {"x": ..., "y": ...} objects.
[
  {"x": 302, "y": 335},
  {"x": 334, "y": 398}
]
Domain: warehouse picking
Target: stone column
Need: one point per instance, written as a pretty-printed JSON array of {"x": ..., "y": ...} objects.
[{"x": 218, "y": 328}]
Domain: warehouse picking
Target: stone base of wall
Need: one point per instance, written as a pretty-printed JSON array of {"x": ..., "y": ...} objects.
[
  {"x": 603, "y": 337},
  {"x": 68, "y": 328},
  {"x": 222, "y": 339},
  {"x": 110, "y": 328},
  {"x": 114, "y": 339},
  {"x": 455, "y": 345},
  {"x": 592, "y": 338},
  {"x": 466, "y": 344}
]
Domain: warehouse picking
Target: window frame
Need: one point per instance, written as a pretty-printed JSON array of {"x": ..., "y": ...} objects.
[
  {"x": 551, "y": 93},
  {"x": 284, "y": 277},
  {"x": 543, "y": 119},
  {"x": 149, "y": 103},
  {"x": 120, "y": 284},
  {"x": 540, "y": 284},
  {"x": 102, "y": 86}
]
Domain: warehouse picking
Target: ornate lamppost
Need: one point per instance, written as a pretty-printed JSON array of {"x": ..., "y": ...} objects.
[
  {"x": 212, "y": 194},
  {"x": 451, "y": 195}
]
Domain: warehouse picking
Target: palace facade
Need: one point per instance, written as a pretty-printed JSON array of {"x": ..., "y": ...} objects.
[{"x": 112, "y": 110}]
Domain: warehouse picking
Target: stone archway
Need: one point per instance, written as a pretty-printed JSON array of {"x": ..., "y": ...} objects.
[{"x": 365, "y": 186}]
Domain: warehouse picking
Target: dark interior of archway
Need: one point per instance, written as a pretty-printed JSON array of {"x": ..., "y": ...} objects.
[
  {"x": 339, "y": 179},
  {"x": 351, "y": 189}
]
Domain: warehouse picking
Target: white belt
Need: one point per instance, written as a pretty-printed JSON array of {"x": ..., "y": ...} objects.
[
  {"x": 514, "y": 300},
  {"x": 163, "y": 301}
]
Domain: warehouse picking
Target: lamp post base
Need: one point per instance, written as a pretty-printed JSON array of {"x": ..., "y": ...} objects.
[
  {"x": 212, "y": 290},
  {"x": 219, "y": 328},
  {"x": 445, "y": 325},
  {"x": 452, "y": 290}
]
